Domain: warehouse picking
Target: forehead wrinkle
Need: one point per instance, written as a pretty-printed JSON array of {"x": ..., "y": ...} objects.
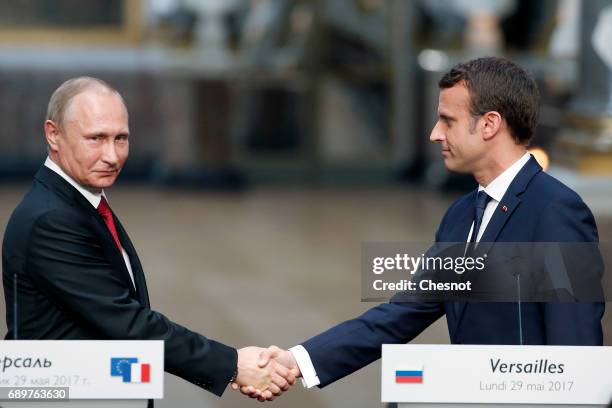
[{"x": 85, "y": 110}]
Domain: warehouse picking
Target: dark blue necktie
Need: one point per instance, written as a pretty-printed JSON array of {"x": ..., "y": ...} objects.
[{"x": 481, "y": 203}]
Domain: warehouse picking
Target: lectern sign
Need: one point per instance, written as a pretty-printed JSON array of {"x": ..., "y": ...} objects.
[
  {"x": 497, "y": 374},
  {"x": 82, "y": 369}
]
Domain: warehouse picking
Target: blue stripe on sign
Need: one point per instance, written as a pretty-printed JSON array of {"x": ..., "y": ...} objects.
[{"x": 409, "y": 373}]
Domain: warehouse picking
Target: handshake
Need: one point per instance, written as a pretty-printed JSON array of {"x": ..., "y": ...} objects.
[{"x": 265, "y": 374}]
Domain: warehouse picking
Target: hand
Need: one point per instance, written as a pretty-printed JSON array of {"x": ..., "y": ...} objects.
[
  {"x": 264, "y": 382},
  {"x": 283, "y": 357},
  {"x": 271, "y": 356}
]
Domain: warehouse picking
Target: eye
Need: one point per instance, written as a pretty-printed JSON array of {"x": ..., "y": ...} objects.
[
  {"x": 121, "y": 138},
  {"x": 446, "y": 120}
]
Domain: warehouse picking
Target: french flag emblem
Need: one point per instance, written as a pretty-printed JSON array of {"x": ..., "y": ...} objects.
[
  {"x": 409, "y": 375},
  {"x": 140, "y": 373},
  {"x": 130, "y": 370}
]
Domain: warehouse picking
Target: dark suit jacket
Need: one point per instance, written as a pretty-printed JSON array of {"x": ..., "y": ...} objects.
[
  {"x": 68, "y": 280},
  {"x": 540, "y": 209}
]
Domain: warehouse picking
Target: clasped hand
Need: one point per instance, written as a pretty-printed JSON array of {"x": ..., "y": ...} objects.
[{"x": 265, "y": 373}]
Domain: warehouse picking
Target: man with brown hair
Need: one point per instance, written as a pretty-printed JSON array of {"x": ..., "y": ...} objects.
[{"x": 487, "y": 115}]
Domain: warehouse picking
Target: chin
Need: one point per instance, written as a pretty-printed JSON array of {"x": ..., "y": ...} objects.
[
  {"x": 450, "y": 165},
  {"x": 454, "y": 166},
  {"x": 103, "y": 183}
]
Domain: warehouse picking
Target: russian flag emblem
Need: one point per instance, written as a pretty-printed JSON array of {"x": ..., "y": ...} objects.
[{"x": 409, "y": 375}]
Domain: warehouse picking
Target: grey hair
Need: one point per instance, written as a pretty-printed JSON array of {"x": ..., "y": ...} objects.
[{"x": 61, "y": 98}]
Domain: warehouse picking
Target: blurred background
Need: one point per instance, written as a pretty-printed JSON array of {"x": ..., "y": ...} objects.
[{"x": 270, "y": 138}]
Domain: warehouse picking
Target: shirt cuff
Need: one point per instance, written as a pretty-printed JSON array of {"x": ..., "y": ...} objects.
[{"x": 309, "y": 375}]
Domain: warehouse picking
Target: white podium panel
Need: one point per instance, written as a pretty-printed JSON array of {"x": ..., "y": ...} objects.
[
  {"x": 465, "y": 375},
  {"x": 77, "y": 404},
  {"x": 45, "y": 373}
]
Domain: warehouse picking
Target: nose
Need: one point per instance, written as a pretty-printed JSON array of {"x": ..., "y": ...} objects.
[
  {"x": 109, "y": 154},
  {"x": 437, "y": 134}
]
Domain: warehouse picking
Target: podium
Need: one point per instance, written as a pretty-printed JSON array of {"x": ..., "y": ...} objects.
[
  {"x": 452, "y": 376},
  {"x": 75, "y": 373}
]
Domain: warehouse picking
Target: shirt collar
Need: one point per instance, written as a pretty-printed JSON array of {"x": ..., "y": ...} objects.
[
  {"x": 93, "y": 197},
  {"x": 497, "y": 188}
]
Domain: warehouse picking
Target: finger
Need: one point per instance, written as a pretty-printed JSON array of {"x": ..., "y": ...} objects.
[
  {"x": 267, "y": 396},
  {"x": 262, "y": 398},
  {"x": 250, "y": 391},
  {"x": 290, "y": 378},
  {"x": 234, "y": 386},
  {"x": 279, "y": 381},
  {"x": 286, "y": 373},
  {"x": 274, "y": 389},
  {"x": 280, "y": 369},
  {"x": 295, "y": 372}
]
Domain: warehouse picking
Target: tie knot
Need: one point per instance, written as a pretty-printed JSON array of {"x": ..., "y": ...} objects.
[
  {"x": 104, "y": 208},
  {"x": 482, "y": 200}
]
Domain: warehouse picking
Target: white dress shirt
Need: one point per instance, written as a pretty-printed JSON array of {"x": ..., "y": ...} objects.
[
  {"x": 496, "y": 190},
  {"x": 94, "y": 199}
]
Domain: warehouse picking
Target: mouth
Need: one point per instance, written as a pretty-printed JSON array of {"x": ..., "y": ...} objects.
[{"x": 107, "y": 172}]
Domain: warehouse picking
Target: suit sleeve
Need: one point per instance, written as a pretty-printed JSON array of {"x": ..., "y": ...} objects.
[
  {"x": 356, "y": 343},
  {"x": 569, "y": 220},
  {"x": 353, "y": 344},
  {"x": 66, "y": 262}
]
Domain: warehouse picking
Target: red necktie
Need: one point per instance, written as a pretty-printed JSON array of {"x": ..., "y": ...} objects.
[{"x": 107, "y": 215}]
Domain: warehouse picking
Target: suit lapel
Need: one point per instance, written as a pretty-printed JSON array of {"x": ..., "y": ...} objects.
[
  {"x": 110, "y": 246},
  {"x": 459, "y": 234},
  {"x": 142, "y": 293},
  {"x": 506, "y": 207},
  {"x": 510, "y": 201},
  {"x": 60, "y": 186},
  {"x": 502, "y": 214},
  {"x": 57, "y": 184},
  {"x": 497, "y": 222},
  {"x": 112, "y": 252},
  {"x": 461, "y": 226}
]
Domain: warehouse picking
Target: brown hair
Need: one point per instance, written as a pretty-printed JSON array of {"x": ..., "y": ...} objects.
[{"x": 497, "y": 84}]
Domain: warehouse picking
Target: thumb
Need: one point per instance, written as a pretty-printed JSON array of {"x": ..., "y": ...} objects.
[
  {"x": 267, "y": 355},
  {"x": 296, "y": 372},
  {"x": 264, "y": 358}
]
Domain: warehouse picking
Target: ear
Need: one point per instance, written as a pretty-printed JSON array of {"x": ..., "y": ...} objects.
[
  {"x": 491, "y": 122},
  {"x": 52, "y": 133}
]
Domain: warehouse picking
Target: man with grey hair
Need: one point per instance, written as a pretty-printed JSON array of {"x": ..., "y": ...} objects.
[{"x": 70, "y": 270}]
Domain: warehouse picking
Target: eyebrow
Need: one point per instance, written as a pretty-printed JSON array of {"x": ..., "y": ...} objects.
[
  {"x": 445, "y": 117},
  {"x": 104, "y": 134},
  {"x": 95, "y": 134}
]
